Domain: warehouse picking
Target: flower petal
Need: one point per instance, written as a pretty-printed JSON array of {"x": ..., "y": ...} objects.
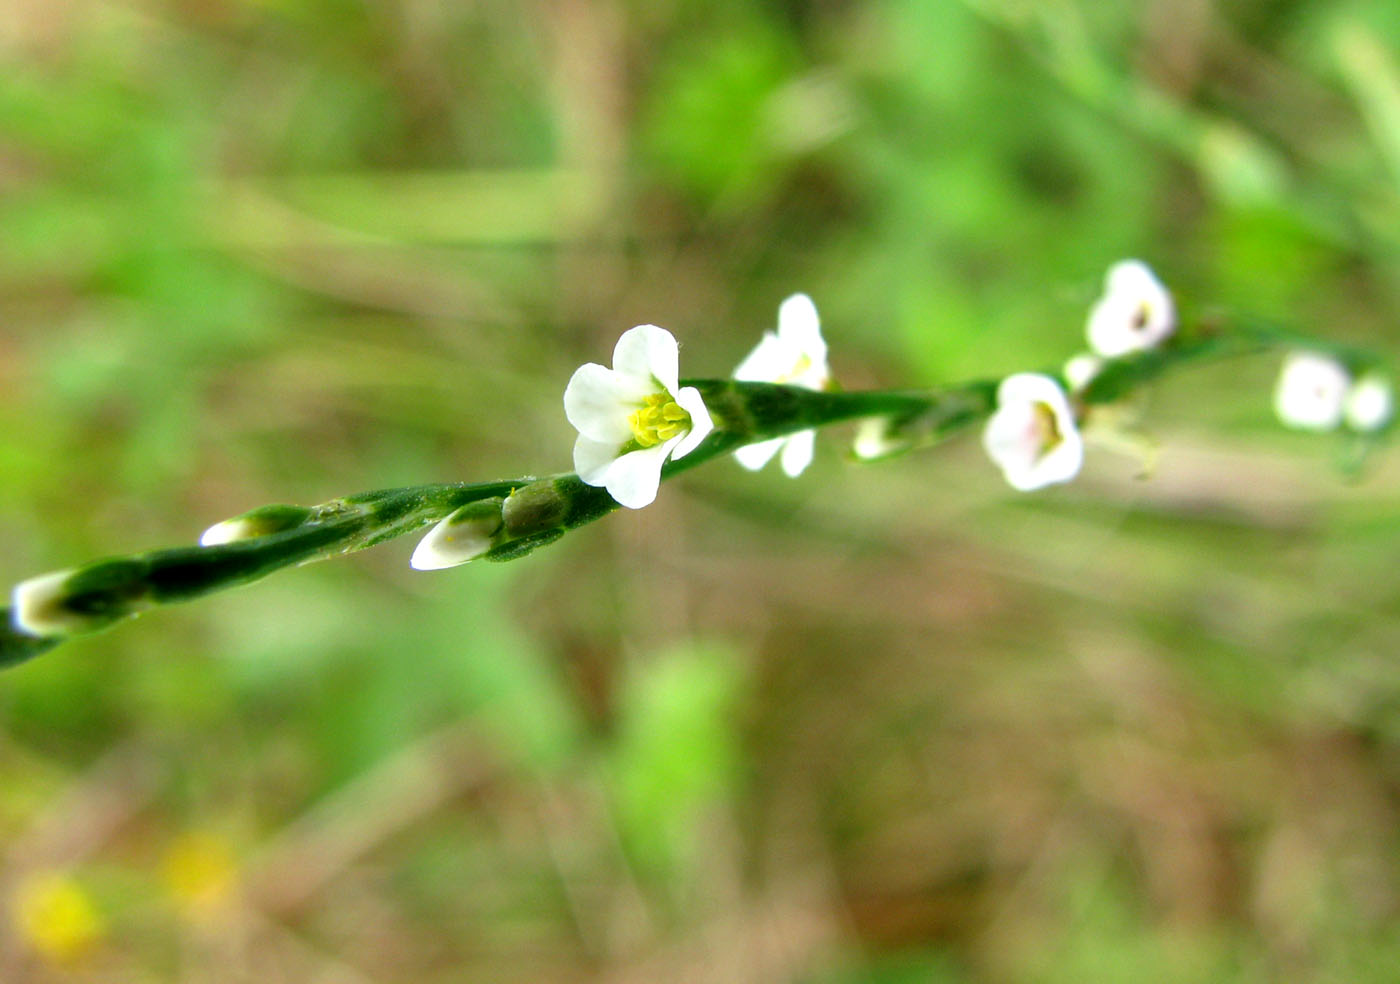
[
  {"x": 770, "y": 359},
  {"x": 648, "y": 352},
  {"x": 593, "y": 458},
  {"x": 755, "y": 456},
  {"x": 799, "y": 325},
  {"x": 701, "y": 423},
  {"x": 598, "y": 400},
  {"x": 634, "y": 478},
  {"x": 1060, "y": 464},
  {"x": 798, "y": 452},
  {"x": 1032, "y": 387}
]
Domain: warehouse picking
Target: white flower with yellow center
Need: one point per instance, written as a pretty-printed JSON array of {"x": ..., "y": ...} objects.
[
  {"x": 633, "y": 417},
  {"x": 1032, "y": 436},
  {"x": 1312, "y": 392},
  {"x": 796, "y": 356},
  {"x": 1134, "y": 313}
]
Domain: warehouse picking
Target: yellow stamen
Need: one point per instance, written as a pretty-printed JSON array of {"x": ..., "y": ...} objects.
[
  {"x": 1047, "y": 428},
  {"x": 804, "y": 362},
  {"x": 658, "y": 419}
]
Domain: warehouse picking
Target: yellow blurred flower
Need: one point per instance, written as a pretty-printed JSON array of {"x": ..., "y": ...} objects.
[
  {"x": 200, "y": 874},
  {"x": 56, "y": 916}
]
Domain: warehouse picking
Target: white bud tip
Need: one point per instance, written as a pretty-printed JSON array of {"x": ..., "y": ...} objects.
[
  {"x": 1081, "y": 370},
  {"x": 462, "y": 536},
  {"x": 872, "y": 441},
  {"x": 229, "y": 531},
  {"x": 37, "y": 610}
]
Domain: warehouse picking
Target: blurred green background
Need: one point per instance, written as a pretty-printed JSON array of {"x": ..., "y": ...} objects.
[{"x": 886, "y": 724}]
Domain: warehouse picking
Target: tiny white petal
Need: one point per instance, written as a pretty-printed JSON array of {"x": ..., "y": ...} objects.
[
  {"x": 1370, "y": 404},
  {"x": 798, "y": 452},
  {"x": 1311, "y": 392},
  {"x": 799, "y": 324},
  {"x": 1135, "y": 312},
  {"x": 634, "y": 478},
  {"x": 649, "y": 352},
  {"x": 37, "y": 609},
  {"x": 769, "y": 361},
  {"x": 688, "y": 398},
  {"x": 755, "y": 456},
  {"x": 592, "y": 459},
  {"x": 598, "y": 400}
]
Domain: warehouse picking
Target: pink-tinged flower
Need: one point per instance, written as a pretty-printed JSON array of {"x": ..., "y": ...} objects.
[
  {"x": 795, "y": 356},
  {"x": 1032, "y": 435},
  {"x": 1134, "y": 313},
  {"x": 633, "y": 417}
]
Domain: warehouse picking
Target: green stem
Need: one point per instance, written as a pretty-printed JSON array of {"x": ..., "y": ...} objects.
[{"x": 537, "y": 511}]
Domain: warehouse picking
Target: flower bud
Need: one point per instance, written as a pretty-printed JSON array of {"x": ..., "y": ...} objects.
[
  {"x": 535, "y": 507},
  {"x": 83, "y": 600},
  {"x": 464, "y": 535},
  {"x": 263, "y": 521}
]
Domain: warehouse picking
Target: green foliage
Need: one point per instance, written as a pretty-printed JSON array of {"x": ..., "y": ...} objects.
[{"x": 676, "y": 751}]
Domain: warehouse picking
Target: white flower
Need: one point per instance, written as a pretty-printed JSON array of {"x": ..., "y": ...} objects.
[
  {"x": 1134, "y": 313},
  {"x": 796, "y": 356},
  {"x": 1370, "y": 403},
  {"x": 1311, "y": 392},
  {"x": 1032, "y": 436},
  {"x": 634, "y": 416}
]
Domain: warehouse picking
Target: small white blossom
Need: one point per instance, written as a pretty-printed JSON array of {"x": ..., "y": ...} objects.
[
  {"x": 633, "y": 417},
  {"x": 1311, "y": 392},
  {"x": 1081, "y": 370},
  {"x": 1032, "y": 436},
  {"x": 1134, "y": 313},
  {"x": 795, "y": 355},
  {"x": 1370, "y": 403}
]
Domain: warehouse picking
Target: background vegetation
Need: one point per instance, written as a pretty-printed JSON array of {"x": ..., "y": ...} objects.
[{"x": 885, "y": 724}]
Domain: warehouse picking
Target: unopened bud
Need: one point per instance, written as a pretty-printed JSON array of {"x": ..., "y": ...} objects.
[
  {"x": 535, "y": 508},
  {"x": 874, "y": 441},
  {"x": 82, "y": 600},
  {"x": 263, "y": 521},
  {"x": 464, "y": 535}
]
